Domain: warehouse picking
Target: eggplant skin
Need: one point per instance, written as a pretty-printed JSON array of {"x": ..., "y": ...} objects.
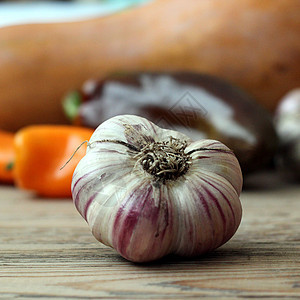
[
  {"x": 288, "y": 160},
  {"x": 199, "y": 105}
]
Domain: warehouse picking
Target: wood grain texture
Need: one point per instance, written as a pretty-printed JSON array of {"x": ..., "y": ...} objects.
[{"x": 47, "y": 251}]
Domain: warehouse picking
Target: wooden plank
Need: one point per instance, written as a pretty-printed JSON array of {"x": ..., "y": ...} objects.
[{"x": 47, "y": 251}]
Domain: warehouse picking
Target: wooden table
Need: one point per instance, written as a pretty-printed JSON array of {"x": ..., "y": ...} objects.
[{"x": 47, "y": 251}]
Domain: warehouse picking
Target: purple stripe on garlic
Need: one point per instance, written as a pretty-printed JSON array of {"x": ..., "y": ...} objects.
[{"x": 148, "y": 192}]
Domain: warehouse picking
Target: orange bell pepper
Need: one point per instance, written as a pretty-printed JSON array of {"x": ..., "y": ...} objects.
[
  {"x": 41, "y": 151},
  {"x": 7, "y": 156}
]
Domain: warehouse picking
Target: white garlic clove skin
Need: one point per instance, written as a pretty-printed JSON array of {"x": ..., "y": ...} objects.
[
  {"x": 287, "y": 117},
  {"x": 134, "y": 201},
  {"x": 287, "y": 122}
]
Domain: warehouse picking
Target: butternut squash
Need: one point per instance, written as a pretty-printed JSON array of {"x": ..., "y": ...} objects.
[{"x": 254, "y": 44}]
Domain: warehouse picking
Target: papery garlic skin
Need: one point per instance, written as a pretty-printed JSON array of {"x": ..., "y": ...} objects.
[
  {"x": 145, "y": 217},
  {"x": 287, "y": 122}
]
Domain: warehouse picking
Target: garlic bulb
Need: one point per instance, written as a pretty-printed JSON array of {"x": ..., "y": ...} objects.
[
  {"x": 148, "y": 192},
  {"x": 287, "y": 122}
]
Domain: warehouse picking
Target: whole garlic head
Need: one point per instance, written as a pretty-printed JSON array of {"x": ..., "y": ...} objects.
[
  {"x": 148, "y": 192},
  {"x": 287, "y": 117},
  {"x": 287, "y": 122}
]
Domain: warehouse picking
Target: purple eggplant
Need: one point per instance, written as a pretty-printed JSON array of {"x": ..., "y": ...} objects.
[{"x": 198, "y": 105}]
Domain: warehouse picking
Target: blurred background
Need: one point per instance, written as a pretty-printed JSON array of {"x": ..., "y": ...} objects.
[
  {"x": 22, "y": 11},
  {"x": 209, "y": 68}
]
